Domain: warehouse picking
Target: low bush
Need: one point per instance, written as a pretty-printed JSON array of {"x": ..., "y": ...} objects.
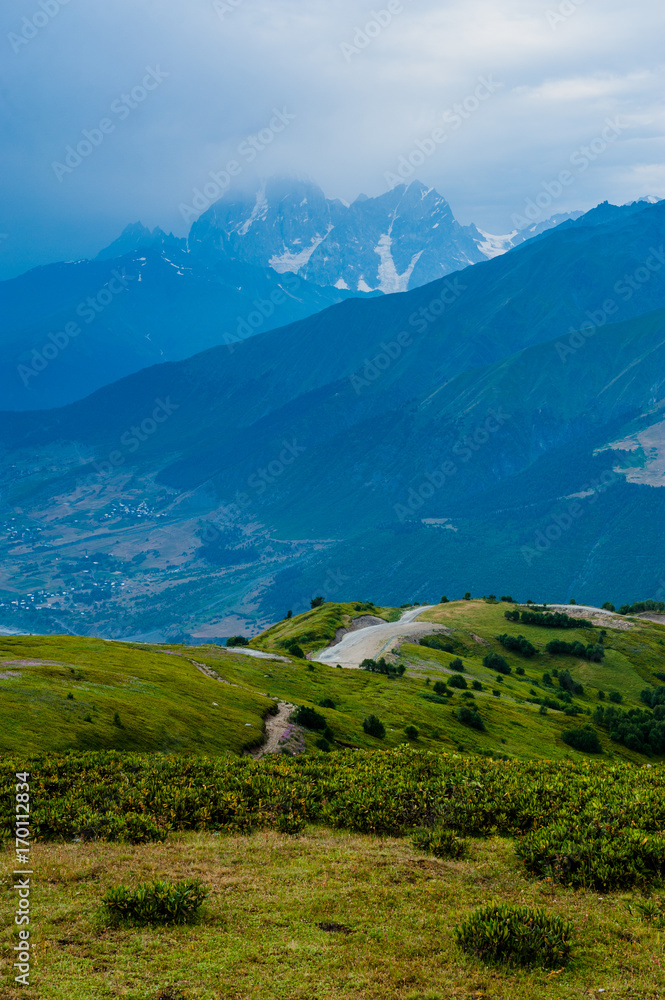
[
  {"x": 469, "y": 717},
  {"x": 374, "y": 727},
  {"x": 516, "y": 935},
  {"x": 457, "y": 681},
  {"x": 436, "y": 642},
  {"x": 327, "y": 703},
  {"x": 156, "y": 902},
  {"x": 456, "y": 664},
  {"x": 309, "y": 718},
  {"x": 439, "y": 687},
  {"x": 412, "y": 732},
  {"x": 496, "y": 662},
  {"x": 442, "y": 843},
  {"x": 237, "y": 640},
  {"x": 517, "y": 644},
  {"x": 383, "y": 667},
  {"x": 594, "y": 652},
  {"x": 585, "y": 739},
  {"x": 585, "y": 851}
]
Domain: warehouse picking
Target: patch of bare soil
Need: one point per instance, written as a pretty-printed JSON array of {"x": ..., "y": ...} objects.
[{"x": 276, "y": 726}]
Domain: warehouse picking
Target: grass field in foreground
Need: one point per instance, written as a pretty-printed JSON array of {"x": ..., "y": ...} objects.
[{"x": 258, "y": 936}]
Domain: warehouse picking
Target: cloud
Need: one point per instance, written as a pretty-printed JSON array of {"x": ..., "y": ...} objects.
[{"x": 357, "y": 109}]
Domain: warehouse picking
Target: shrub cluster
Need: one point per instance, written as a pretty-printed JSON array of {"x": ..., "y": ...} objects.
[
  {"x": 517, "y": 644},
  {"x": 382, "y": 667},
  {"x": 548, "y": 619},
  {"x": 639, "y": 730},
  {"x": 436, "y": 642},
  {"x": 582, "y": 821},
  {"x": 156, "y": 902},
  {"x": 440, "y": 842},
  {"x": 639, "y": 607},
  {"x": 593, "y": 652},
  {"x": 496, "y": 662},
  {"x": 291, "y": 646},
  {"x": 516, "y": 935},
  {"x": 309, "y": 718},
  {"x": 469, "y": 717},
  {"x": 374, "y": 727},
  {"x": 237, "y": 640},
  {"x": 584, "y": 739},
  {"x": 566, "y": 683}
]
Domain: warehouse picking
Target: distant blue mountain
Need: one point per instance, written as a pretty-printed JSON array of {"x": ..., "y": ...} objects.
[
  {"x": 498, "y": 430},
  {"x": 250, "y": 265}
]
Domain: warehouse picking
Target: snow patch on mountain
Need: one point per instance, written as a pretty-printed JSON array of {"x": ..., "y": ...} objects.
[
  {"x": 389, "y": 278},
  {"x": 290, "y": 261},
  {"x": 259, "y": 211},
  {"x": 494, "y": 246}
]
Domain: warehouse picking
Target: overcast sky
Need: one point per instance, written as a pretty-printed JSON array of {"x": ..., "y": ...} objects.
[{"x": 202, "y": 76}]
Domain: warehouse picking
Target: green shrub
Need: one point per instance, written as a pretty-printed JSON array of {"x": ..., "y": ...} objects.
[
  {"x": 441, "y": 842},
  {"x": 457, "y": 681},
  {"x": 584, "y": 739},
  {"x": 309, "y": 718},
  {"x": 156, "y": 902},
  {"x": 323, "y": 744},
  {"x": 439, "y": 687},
  {"x": 516, "y": 935},
  {"x": 291, "y": 646},
  {"x": 519, "y": 671},
  {"x": 327, "y": 703},
  {"x": 436, "y": 642},
  {"x": 584, "y": 852},
  {"x": 517, "y": 644},
  {"x": 469, "y": 717},
  {"x": 412, "y": 732},
  {"x": 616, "y": 697},
  {"x": 374, "y": 727},
  {"x": 496, "y": 662},
  {"x": 237, "y": 640},
  {"x": 456, "y": 664},
  {"x": 116, "y": 720},
  {"x": 476, "y": 685}
]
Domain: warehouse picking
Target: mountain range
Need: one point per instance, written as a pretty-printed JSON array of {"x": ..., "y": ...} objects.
[
  {"x": 497, "y": 429},
  {"x": 250, "y": 264}
]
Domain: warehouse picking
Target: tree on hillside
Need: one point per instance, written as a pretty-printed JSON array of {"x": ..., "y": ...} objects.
[{"x": 316, "y": 602}]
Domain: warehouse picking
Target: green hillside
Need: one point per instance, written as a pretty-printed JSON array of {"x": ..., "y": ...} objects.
[{"x": 82, "y": 694}]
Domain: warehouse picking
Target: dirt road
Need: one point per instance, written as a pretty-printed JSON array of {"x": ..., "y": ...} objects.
[{"x": 376, "y": 640}]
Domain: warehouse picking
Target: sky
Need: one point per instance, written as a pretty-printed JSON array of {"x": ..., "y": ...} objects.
[{"x": 118, "y": 112}]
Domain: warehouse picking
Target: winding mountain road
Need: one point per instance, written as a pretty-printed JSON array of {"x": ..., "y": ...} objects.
[{"x": 376, "y": 640}]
